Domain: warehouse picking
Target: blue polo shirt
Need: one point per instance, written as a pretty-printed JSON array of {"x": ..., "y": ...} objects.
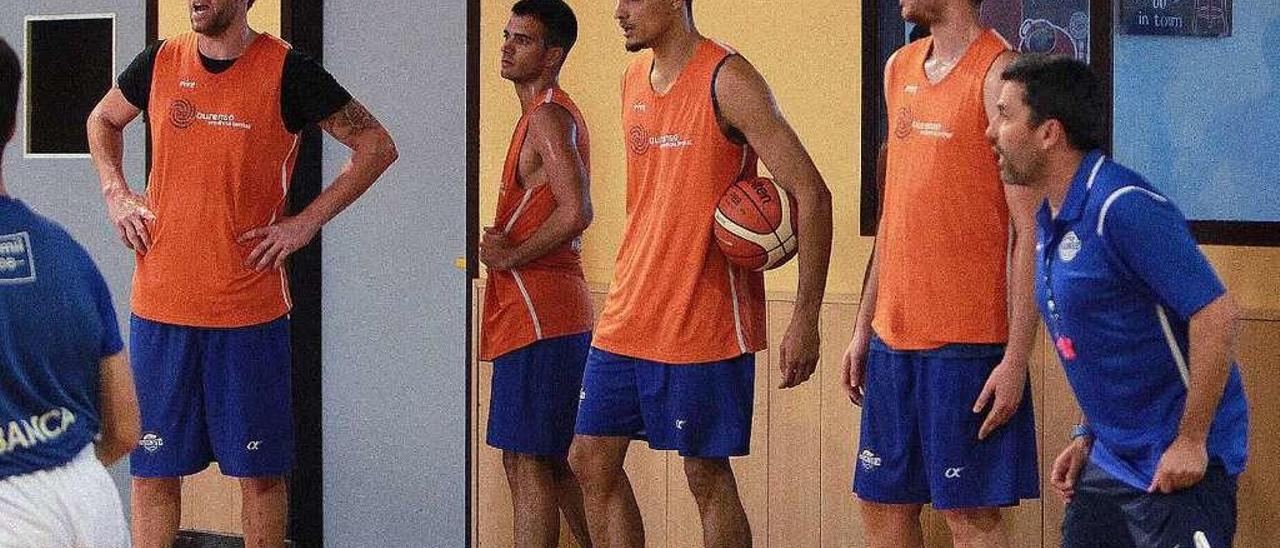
[
  {"x": 1118, "y": 277},
  {"x": 56, "y": 325}
]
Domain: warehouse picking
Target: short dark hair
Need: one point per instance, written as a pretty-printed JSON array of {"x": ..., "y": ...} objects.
[
  {"x": 556, "y": 16},
  {"x": 1063, "y": 89},
  {"x": 10, "y": 77}
]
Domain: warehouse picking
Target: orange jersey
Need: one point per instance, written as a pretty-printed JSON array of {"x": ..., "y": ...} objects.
[
  {"x": 945, "y": 228},
  {"x": 674, "y": 297},
  {"x": 221, "y": 163},
  {"x": 547, "y": 297}
]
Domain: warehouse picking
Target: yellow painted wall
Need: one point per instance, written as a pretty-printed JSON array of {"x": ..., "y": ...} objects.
[
  {"x": 174, "y": 17},
  {"x": 811, "y": 58},
  {"x": 808, "y": 54}
]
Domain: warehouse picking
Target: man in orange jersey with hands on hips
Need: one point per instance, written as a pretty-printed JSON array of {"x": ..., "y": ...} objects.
[
  {"x": 672, "y": 360},
  {"x": 939, "y": 353},
  {"x": 537, "y": 311},
  {"x": 209, "y": 336}
]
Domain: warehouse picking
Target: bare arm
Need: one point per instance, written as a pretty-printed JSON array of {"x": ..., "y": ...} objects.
[
  {"x": 748, "y": 105},
  {"x": 553, "y": 136},
  {"x": 1212, "y": 336},
  {"x": 127, "y": 211},
  {"x": 372, "y": 152},
  {"x": 1006, "y": 385},
  {"x": 119, "y": 407}
]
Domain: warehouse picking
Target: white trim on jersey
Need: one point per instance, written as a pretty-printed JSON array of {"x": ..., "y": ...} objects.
[
  {"x": 737, "y": 315},
  {"x": 1106, "y": 206},
  {"x": 1174, "y": 349}
]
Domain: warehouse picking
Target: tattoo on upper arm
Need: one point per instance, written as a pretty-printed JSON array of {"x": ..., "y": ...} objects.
[{"x": 351, "y": 120}]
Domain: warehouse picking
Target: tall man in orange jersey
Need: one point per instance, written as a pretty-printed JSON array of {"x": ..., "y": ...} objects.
[
  {"x": 537, "y": 310},
  {"x": 209, "y": 335},
  {"x": 939, "y": 353},
  {"x": 673, "y": 356}
]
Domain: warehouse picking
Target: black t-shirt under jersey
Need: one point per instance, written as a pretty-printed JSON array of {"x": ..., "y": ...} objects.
[{"x": 308, "y": 93}]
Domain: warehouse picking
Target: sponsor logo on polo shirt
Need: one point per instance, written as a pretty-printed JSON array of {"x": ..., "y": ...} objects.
[
  {"x": 1069, "y": 247},
  {"x": 42, "y": 428},
  {"x": 17, "y": 264}
]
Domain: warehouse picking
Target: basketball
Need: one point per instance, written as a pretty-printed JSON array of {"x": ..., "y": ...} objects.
[{"x": 756, "y": 224}]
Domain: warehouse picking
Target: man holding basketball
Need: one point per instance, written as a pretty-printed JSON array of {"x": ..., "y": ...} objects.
[
  {"x": 209, "y": 335},
  {"x": 537, "y": 311},
  {"x": 672, "y": 359},
  {"x": 939, "y": 353}
]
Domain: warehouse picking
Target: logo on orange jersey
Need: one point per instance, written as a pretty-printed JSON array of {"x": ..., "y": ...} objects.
[
  {"x": 182, "y": 113},
  {"x": 638, "y": 138},
  {"x": 903, "y": 128}
]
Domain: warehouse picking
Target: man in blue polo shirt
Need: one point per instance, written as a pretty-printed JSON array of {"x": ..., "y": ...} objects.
[
  {"x": 67, "y": 404},
  {"x": 1143, "y": 327}
]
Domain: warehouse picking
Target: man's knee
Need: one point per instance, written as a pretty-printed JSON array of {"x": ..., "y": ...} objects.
[
  {"x": 597, "y": 463},
  {"x": 708, "y": 477},
  {"x": 972, "y": 523},
  {"x": 262, "y": 486},
  {"x": 157, "y": 488}
]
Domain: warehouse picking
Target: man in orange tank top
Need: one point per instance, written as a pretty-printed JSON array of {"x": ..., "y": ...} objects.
[
  {"x": 939, "y": 354},
  {"x": 209, "y": 336},
  {"x": 672, "y": 358},
  {"x": 537, "y": 314}
]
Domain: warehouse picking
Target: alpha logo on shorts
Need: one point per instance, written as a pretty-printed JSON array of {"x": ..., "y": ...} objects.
[
  {"x": 1069, "y": 247},
  {"x": 253, "y": 445},
  {"x": 17, "y": 262},
  {"x": 680, "y": 424},
  {"x": 582, "y": 394},
  {"x": 869, "y": 460},
  {"x": 151, "y": 442},
  {"x": 953, "y": 473},
  {"x": 42, "y": 428}
]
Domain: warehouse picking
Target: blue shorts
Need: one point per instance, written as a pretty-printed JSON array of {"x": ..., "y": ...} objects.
[
  {"x": 919, "y": 441},
  {"x": 534, "y": 397},
  {"x": 1108, "y": 513},
  {"x": 699, "y": 410},
  {"x": 209, "y": 394}
]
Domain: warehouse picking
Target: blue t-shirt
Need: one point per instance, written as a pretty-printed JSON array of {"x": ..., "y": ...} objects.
[
  {"x": 1118, "y": 278},
  {"x": 57, "y": 323}
]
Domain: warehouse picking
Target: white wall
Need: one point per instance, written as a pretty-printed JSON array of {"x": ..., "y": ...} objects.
[{"x": 394, "y": 304}]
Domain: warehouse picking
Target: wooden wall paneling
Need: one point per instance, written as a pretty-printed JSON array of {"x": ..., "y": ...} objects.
[
  {"x": 211, "y": 502},
  {"x": 493, "y": 507},
  {"x": 841, "y": 523},
  {"x": 647, "y": 470},
  {"x": 794, "y": 449},
  {"x": 752, "y": 472},
  {"x": 1258, "y": 498},
  {"x": 684, "y": 527},
  {"x": 1025, "y": 522},
  {"x": 1055, "y": 419},
  {"x": 477, "y": 424}
]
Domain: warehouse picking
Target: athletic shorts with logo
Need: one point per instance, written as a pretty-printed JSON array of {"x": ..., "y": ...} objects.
[
  {"x": 1108, "y": 513},
  {"x": 212, "y": 394},
  {"x": 75, "y": 504},
  {"x": 534, "y": 398},
  {"x": 919, "y": 441},
  {"x": 699, "y": 410}
]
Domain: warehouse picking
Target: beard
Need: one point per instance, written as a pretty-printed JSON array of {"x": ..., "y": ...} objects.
[{"x": 218, "y": 24}]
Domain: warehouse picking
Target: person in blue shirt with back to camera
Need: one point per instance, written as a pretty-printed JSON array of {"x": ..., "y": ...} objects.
[
  {"x": 1143, "y": 326},
  {"x": 67, "y": 405}
]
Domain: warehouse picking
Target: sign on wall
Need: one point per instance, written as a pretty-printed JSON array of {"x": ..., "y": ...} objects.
[{"x": 1210, "y": 18}]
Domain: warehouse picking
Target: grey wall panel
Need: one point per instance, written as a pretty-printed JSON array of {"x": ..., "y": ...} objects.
[
  {"x": 66, "y": 189},
  {"x": 394, "y": 303}
]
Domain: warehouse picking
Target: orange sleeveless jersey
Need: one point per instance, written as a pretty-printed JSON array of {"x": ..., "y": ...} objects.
[
  {"x": 221, "y": 163},
  {"x": 944, "y": 231},
  {"x": 674, "y": 297},
  {"x": 547, "y": 297}
]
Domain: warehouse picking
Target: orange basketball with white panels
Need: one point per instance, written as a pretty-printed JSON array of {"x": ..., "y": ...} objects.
[{"x": 756, "y": 224}]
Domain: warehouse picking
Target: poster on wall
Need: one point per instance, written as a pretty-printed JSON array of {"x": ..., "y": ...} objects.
[
  {"x": 1204, "y": 18},
  {"x": 1059, "y": 27}
]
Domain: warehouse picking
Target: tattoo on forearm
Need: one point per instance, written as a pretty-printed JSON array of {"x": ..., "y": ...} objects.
[{"x": 350, "y": 121}]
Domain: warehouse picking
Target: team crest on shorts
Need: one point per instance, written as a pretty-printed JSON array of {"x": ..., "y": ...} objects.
[
  {"x": 151, "y": 442},
  {"x": 869, "y": 460},
  {"x": 1069, "y": 247}
]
